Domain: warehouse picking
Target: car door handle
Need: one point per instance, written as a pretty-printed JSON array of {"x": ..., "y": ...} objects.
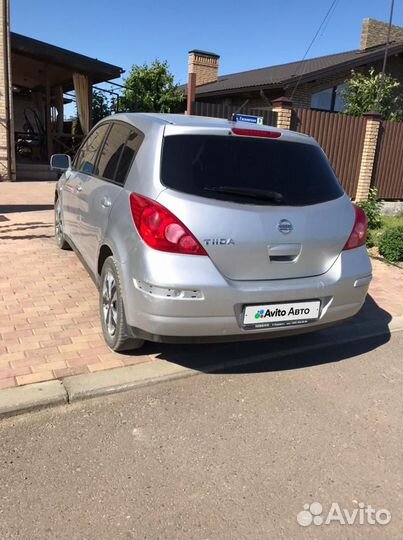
[
  {"x": 105, "y": 202},
  {"x": 79, "y": 188}
]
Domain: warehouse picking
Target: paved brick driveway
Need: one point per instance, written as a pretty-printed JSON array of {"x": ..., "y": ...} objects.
[{"x": 49, "y": 326}]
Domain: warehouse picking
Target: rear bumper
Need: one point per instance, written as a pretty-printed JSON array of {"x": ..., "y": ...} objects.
[{"x": 173, "y": 296}]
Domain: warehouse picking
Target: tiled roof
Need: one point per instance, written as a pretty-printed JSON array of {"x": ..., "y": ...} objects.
[{"x": 281, "y": 75}]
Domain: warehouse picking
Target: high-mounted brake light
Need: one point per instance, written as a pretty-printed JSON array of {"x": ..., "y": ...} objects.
[
  {"x": 256, "y": 133},
  {"x": 160, "y": 229},
  {"x": 358, "y": 235}
]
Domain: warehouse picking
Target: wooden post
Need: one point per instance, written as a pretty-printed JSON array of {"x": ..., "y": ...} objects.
[
  {"x": 49, "y": 141},
  {"x": 89, "y": 103},
  {"x": 60, "y": 109}
]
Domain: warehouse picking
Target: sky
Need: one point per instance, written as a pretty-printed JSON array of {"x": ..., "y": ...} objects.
[{"x": 246, "y": 34}]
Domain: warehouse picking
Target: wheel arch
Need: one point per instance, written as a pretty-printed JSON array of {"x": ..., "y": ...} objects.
[{"x": 104, "y": 252}]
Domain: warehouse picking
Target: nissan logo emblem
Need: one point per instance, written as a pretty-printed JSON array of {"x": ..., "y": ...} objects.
[{"x": 285, "y": 226}]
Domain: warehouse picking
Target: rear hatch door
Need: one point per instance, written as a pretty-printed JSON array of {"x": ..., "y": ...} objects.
[{"x": 261, "y": 208}]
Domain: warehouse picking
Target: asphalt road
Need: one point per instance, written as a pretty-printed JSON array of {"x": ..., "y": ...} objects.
[{"x": 225, "y": 456}]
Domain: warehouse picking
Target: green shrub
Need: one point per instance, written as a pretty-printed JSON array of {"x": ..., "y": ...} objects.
[
  {"x": 370, "y": 239},
  {"x": 372, "y": 207},
  {"x": 374, "y": 236},
  {"x": 391, "y": 244}
]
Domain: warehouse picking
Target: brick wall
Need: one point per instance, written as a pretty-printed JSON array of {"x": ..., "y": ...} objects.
[
  {"x": 303, "y": 94},
  {"x": 6, "y": 125},
  {"x": 3, "y": 121},
  {"x": 376, "y": 32},
  {"x": 368, "y": 158},
  {"x": 394, "y": 67},
  {"x": 254, "y": 99},
  {"x": 205, "y": 66}
]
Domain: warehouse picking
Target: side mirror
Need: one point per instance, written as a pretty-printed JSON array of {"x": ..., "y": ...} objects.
[{"x": 60, "y": 162}]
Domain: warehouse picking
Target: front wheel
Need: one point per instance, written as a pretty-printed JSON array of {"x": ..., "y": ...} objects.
[{"x": 112, "y": 313}]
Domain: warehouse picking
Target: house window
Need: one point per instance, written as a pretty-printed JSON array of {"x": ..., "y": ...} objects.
[
  {"x": 329, "y": 99},
  {"x": 339, "y": 103},
  {"x": 322, "y": 100}
]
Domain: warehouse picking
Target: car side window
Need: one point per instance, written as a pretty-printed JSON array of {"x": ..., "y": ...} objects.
[
  {"x": 87, "y": 156},
  {"x": 129, "y": 152},
  {"x": 112, "y": 150}
]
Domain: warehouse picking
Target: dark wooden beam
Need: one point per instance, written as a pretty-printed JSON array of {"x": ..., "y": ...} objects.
[
  {"x": 89, "y": 103},
  {"x": 49, "y": 142}
]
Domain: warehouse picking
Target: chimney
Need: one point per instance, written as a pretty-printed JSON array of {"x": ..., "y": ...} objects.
[
  {"x": 375, "y": 33},
  {"x": 204, "y": 65}
]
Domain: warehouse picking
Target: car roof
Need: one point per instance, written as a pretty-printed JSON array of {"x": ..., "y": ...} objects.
[
  {"x": 174, "y": 119},
  {"x": 148, "y": 120}
]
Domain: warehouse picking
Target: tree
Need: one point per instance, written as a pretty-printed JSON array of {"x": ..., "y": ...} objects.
[
  {"x": 367, "y": 92},
  {"x": 100, "y": 106},
  {"x": 151, "y": 88}
]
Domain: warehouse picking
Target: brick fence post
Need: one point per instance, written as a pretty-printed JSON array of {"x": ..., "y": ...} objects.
[
  {"x": 7, "y": 150},
  {"x": 283, "y": 107},
  {"x": 368, "y": 155}
]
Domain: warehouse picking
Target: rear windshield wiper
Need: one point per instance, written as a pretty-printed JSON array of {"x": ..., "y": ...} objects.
[{"x": 262, "y": 194}]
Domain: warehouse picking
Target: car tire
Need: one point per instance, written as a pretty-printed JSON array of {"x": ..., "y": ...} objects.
[
  {"x": 61, "y": 241},
  {"x": 113, "y": 319}
]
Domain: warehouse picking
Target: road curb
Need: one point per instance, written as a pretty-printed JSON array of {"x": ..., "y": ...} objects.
[
  {"x": 396, "y": 324},
  {"x": 116, "y": 380},
  {"x": 71, "y": 389},
  {"x": 33, "y": 396}
]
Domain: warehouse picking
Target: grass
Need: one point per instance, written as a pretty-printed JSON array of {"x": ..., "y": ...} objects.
[
  {"x": 387, "y": 223},
  {"x": 375, "y": 235},
  {"x": 392, "y": 221}
]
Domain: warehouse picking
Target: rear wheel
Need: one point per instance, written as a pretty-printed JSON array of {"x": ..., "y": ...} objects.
[
  {"x": 112, "y": 313},
  {"x": 61, "y": 241}
]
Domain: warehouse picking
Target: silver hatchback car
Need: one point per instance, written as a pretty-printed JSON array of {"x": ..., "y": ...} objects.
[{"x": 205, "y": 229}]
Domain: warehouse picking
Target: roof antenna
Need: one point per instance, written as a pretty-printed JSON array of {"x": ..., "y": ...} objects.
[
  {"x": 239, "y": 109},
  {"x": 385, "y": 57}
]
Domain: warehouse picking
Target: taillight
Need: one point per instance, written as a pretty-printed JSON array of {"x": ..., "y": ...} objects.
[
  {"x": 160, "y": 229},
  {"x": 256, "y": 133},
  {"x": 358, "y": 235}
]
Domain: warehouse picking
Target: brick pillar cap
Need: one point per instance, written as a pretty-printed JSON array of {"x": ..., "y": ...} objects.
[
  {"x": 372, "y": 115},
  {"x": 282, "y": 102}
]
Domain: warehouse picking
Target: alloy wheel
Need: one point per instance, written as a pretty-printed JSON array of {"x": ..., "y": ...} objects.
[
  {"x": 109, "y": 303},
  {"x": 58, "y": 223}
]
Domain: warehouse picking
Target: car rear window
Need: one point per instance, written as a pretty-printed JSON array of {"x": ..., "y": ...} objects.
[{"x": 300, "y": 172}]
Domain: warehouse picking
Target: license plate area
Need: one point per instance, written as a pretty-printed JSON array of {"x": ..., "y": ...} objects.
[{"x": 278, "y": 314}]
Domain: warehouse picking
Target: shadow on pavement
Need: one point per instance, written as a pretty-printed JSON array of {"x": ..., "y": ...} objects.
[
  {"x": 26, "y": 237},
  {"x": 24, "y": 227},
  {"x": 13, "y": 231},
  {"x": 368, "y": 330},
  {"x": 12, "y": 208}
]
